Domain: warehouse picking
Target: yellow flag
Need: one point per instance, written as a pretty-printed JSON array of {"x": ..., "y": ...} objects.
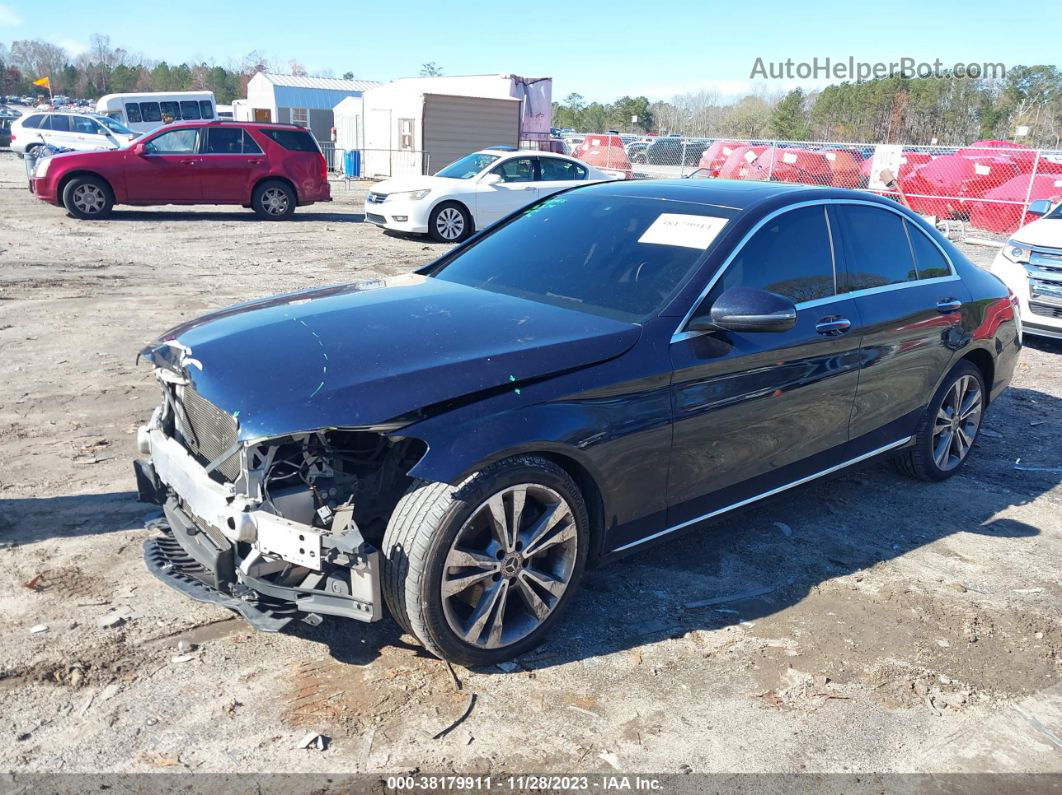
[{"x": 44, "y": 82}]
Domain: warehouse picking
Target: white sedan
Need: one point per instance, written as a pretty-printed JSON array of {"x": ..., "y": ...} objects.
[{"x": 473, "y": 192}]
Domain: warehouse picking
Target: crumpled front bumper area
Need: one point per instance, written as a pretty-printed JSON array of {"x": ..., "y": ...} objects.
[
  {"x": 168, "y": 561},
  {"x": 194, "y": 557}
]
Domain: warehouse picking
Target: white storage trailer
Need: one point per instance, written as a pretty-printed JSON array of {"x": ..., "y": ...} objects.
[{"x": 418, "y": 125}]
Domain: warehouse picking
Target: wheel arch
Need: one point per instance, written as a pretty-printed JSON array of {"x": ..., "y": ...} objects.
[
  {"x": 984, "y": 362},
  {"x": 580, "y": 470},
  {"x": 82, "y": 172},
  {"x": 460, "y": 203},
  {"x": 274, "y": 178}
]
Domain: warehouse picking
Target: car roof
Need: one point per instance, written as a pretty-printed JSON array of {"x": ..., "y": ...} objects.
[
  {"x": 735, "y": 194},
  {"x": 271, "y": 125}
]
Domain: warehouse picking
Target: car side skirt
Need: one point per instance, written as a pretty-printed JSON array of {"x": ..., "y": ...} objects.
[{"x": 756, "y": 498}]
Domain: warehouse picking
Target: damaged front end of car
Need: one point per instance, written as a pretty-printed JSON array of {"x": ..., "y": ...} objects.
[{"x": 274, "y": 528}]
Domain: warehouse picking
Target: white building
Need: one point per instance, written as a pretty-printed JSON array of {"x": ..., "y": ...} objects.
[
  {"x": 306, "y": 101},
  {"x": 419, "y": 124}
]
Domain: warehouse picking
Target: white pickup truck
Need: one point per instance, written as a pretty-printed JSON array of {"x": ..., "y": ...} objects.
[{"x": 1031, "y": 265}]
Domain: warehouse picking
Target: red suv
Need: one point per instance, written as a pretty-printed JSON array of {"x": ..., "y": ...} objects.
[{"x": 270, "y": 167}]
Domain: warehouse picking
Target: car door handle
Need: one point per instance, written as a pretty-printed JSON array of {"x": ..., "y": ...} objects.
[
  {"x": 946, "y": 305},
  {"x": 257, "y": 162},
  {"x": 528, "y": 188},
  {"x": 833, "y": 326},
  {"x": 188, "y": 162}
]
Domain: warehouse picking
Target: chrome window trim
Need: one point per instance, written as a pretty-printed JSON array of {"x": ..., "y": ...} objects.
[
  {"x": 679, "y": 334},
  {"x": 764, "y": 495}
]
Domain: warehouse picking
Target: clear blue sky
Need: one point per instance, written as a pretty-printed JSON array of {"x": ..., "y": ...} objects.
[{"x": 599, "y": 49}]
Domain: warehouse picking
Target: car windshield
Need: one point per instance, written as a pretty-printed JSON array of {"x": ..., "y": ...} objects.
[
  {"x": 622, "y": 257},
  {"x": 113, "y": 126},
  {"x": 467, "y": 167}
]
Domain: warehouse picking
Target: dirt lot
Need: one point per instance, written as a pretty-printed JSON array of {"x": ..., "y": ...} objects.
[{"x": 910, "y": 626}]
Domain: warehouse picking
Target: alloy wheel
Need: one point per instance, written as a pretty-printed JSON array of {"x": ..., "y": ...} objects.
[
  {"x": 450, "y": 223},
  {"x": 275, "y": 201},
  {"x": 957, "y": 422},
  {"x": 89, "y": 199},
  {"x": 509, "y": 565}
]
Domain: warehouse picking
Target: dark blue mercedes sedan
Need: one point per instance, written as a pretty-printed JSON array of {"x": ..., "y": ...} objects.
[{"x": 599, "y": 371}]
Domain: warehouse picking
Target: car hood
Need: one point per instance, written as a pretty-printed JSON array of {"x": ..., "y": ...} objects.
[
  {"x": 368, "y": 354},
  {"x": 401, "y": 184},
  {"x": 1042, "y": 232}
]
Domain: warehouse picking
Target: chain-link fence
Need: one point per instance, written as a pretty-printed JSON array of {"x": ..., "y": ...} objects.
[
  {"x": 381, "y": 163},
  {"x": 987, "y": 185}
]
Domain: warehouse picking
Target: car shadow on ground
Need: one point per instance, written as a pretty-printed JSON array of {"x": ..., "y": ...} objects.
[
  {"x": 25, "y": 520},
  {"x": 1045, "y": 344},
  {"x": 233, "y": 215}
]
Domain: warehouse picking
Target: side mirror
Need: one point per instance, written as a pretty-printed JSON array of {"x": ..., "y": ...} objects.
[
  {"x": 491, "y": 179},
  {"x": 1040, "y": 207},
  {"x": 139, "y": 149},
  {"x": 749, "y": 310}
]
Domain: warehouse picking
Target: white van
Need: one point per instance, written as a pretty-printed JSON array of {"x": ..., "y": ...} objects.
[{"x": 149, "y": 111}]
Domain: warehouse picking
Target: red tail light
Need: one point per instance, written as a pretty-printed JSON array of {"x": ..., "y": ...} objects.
[{"x": 324, "y": 170}]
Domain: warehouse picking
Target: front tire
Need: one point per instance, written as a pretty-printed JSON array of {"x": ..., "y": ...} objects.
[
  {"x": 480, "y": 572},
  {"x": 88, "y": 198},
  {"x": 949, "y": 428},
  {"x": 450, "y": 222},
  {"x": 274, "y": 200}
]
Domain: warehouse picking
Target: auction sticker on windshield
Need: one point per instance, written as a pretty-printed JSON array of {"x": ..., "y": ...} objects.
[{"x": 689, "y": 231}]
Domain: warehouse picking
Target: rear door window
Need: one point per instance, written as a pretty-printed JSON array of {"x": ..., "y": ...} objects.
[
  {"x": 789, "y": 255},
  {"x": 930, "y": 263},
  {"x": 224, "y": 141},
  {"x": 295, "y": 140},
  {"x": 33, "y": 122},
  {"x": 150, "y": 111},
  {"x": 132, "y": 112},
  {"x": 876, "y": 250},
  {"x": 250, "y": 145},
  {"x": 553, "y": 169},
  {"x": 57, "y": 123}
]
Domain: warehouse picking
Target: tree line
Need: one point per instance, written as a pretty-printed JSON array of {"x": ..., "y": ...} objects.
[
  {"x": 104, "y": 69},
  {"x": 888, "y": 110}
]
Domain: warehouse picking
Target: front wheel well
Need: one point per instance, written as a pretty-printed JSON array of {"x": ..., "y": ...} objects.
[
  {"x": 595, "y": 505},
  {"x": 66, "y": 179},
  {"x": 983, "y": 361}
]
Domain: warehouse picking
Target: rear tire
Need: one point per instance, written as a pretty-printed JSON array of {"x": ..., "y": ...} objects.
[
  {"x": 88, "y": 198},
  {"x": 274, "y": 200},
  {"x": 450, "y": 222},
  {"x": 477, "y": 591},
  {"x": 949, "y": 428}
]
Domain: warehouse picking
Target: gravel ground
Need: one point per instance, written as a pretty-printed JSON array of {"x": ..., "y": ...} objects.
[{"x": 872, "y": 623}]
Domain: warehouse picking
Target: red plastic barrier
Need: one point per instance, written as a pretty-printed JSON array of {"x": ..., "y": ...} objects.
[
  {"x": 605, "y": 152},
  {"x": 955, "y": 179},
  {"x": 1022, "y": 155},
  {"x": 794, "y": 165},
  {"x": 845, "y": 168},
  {"x": 739, "y": 163},
  {"x": 1006, "y": 218},
  {"x": 715, "y": 156}
]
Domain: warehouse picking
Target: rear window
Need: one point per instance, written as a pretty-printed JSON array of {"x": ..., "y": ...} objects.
[{"x": 295, "y": 140}]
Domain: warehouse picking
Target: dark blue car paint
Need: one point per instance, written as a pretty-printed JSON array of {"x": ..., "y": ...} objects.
[{"x": 657, "y": 431}]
